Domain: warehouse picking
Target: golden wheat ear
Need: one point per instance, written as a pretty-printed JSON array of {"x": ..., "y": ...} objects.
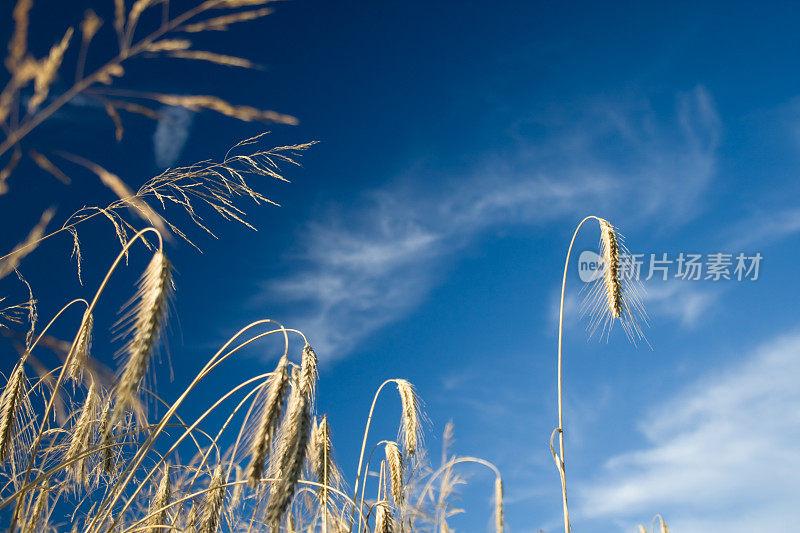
[
  {"x": 410, "y": 427},
  {"x": 214, "y": 502},
  {"x": 13, "y": 395},
  {"x": 384, "y": 521},
  {"x": 269, "y": 420},
  {"x": 145, "y": 318},
  {"x": 159, "y": 503},
  {"x": 394, "y": 460},
  {"x": 616, "y": 294}
]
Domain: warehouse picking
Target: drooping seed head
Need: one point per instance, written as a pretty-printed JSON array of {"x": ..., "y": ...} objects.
[
  {"x": 107, "y": 436},
  {"x": 610, "y": 250},
  {"x": 82, "y": 433},
  {"x": 394, "y": 460},
  {"x": 146, "y": 315},
  {"x": 83, "y": 345},
  {"x": 269, "y": 420},
  {"x": 158, "y": 510},
  {"x": 42, "y": 499},
  {"x": 410, "y": 427},
  {"x": 384, "y": 521},
  {"x": 214, "y": 502},
  {"x": 321, "y": 459},
  {"x": 292, "y": 447},
  {"x": 308, "y": 371},
  {"x": 10, "y": 402}
]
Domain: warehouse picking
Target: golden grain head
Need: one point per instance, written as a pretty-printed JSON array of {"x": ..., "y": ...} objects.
[
  {"x": 410, "y": 426},
  {"x": 278, "y": 385},
  {"x": 82, "y": 433},
  {"x": 610, "y": 251},
  {"x": 394, "y": 460},
  {"x": 13, "y": 395},
  {"x": 158, "y": 511},
  {"x": 308, "y": 371},
  {"x": 146, "y": 315},
  {"x": 214, "y": 502},
  {"x": 83, "y": 345},
  {"x": 384, "y": 521}
]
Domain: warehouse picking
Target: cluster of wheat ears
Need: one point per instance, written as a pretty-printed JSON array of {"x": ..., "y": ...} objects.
[{"x": 84, "y": 449}]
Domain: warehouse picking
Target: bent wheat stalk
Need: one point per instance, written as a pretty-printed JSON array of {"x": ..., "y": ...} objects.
[{"x": 615, "y": 306}]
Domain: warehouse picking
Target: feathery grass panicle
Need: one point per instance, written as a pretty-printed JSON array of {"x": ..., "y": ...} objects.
[
  {"x": 268, "y": 423},
  {"x": 146, "y": 314},
  {"x": 499, "y": 518},
  {"x": 14, "y": 394},
  {"x": 18, "y": 46},
  {"x": 221, "y": 23},
  {"x": 158, "y": 511},
  {"x": 46, "y": 73},
  {"x": 410, "y": 428},
  {"x": 213, "y": 503},
  {"x": 394, "y": 460},
  {"x": 204, "y": 102},
  {"x": 82, "y": 433},
  {"x": 83, "y": 346}
]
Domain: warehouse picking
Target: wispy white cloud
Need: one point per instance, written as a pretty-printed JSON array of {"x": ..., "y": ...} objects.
[
  {"x": 687, "y": 302},
  {"x": 721, "y": 454},
  {"x": 764, "y": 228},
  {"x": 366, "y": 268},
  {"x": 172, "y": 132}
]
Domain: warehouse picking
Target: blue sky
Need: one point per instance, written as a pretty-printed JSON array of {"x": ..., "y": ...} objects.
[{"x": 424, "y": 237}]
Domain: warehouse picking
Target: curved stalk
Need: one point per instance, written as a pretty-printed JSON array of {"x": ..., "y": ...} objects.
[
  {"x": 560, "y": 429},
  {"x": 361, "y": 456}
]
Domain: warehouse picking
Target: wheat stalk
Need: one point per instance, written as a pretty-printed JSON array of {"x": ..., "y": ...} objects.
[{"x": 615, "y": 304}]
